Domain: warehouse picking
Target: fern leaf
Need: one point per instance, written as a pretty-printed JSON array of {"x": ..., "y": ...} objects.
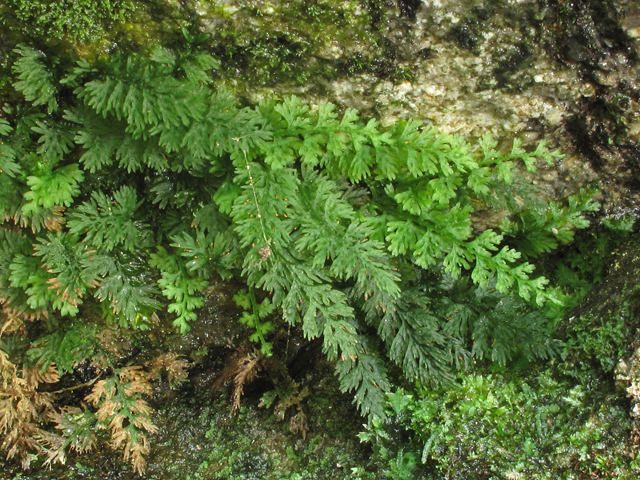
[
  {"x": 293, "y": 112},
  {"x": 129, "y": 298},
  {"x": 100, "y": 139},
  {"x": 56, "y": 141},
  {"x": 366, "y": 377},
  {"x": 65, "y": 259},
  {"x": 66, "y": 347},
  {"x": 108, "y": 223},
  {"x": 35, "y": 80},
  {"x": 419, "y": 347},
  {"x": 51, "y": 188},
  {"x": 178, "y": 285}
]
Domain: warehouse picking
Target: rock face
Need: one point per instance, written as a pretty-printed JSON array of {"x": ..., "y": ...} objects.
[
  {"x": 619, "y": 291},
  {"x": 566, "y": 72},
  {"x": 614, "y": 308},
  {"x": 609, "y": 316}
]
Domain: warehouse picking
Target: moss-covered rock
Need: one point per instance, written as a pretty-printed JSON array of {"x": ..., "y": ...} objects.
[{"x": 604, "y": 327}]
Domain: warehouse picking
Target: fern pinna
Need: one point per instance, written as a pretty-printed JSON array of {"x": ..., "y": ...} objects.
[{"x": 133, "y": 182}]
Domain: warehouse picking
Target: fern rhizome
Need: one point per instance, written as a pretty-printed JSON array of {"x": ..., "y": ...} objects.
[{"x": 131, "y": 184}]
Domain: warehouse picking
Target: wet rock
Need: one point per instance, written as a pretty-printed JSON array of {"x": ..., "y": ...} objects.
[
  {"x": 468, "y": 67},
  {"x": 607, "y": 321},
  {"x": 408, "y": 8},
  {"x": 620, "y": 285}
]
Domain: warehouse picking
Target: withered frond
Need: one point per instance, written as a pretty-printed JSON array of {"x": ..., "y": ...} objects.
[
  {"x": 23, "y": 409},
  {"x": 54, "y": 220},
  {"x": 143, "y": 421},
  {"x": 107, "y": 410},
  {"x": 33, "y": 376},
  {"x": 135, "y": 446},
  {"x": 242, "y": 366},
  {"x": 135, "y": 380},
  {"x": 99, "y": 390},
  {"x": 121, "y": 409},
  {"x": 141, "y": 407},
  {"x": 22, "y": 440},
  {"x": 299, "y": 424},
  {"x": 54, "y": 448},
  {"x": 23, "y": 313},
  {"x": 246, "y": 372},
  {"x": 137, "y": 450},
  {"x": 171, "y": 363},
  {"x": 13, "y": 323}
]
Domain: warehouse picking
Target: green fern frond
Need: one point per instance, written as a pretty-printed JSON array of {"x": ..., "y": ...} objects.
[
  {"x": 109, "y": 222},
  {"x": 35, "y": 79},
  {"x": 51, "y": 188}
]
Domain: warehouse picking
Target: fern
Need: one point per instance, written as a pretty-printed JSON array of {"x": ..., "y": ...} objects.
[
  {"x": 35, "y": 79},
  {"x": 253, "y": 313},
  {"x": 131, "y": 299},
  {"x": 66, "y": 348},
  {"x": 541, "y": 231},
  {"x": 122, "y": 409},
  {"x": 108, "y": 223},
  {"x": 150, "y": 184},
  {"x": 8, "y": 164},
  {"x": 51, "y": 188},
  {"x": 500, "y": 327},
  {"x": 143, "y": 92},
  {"x": 99, "y": 139},
  {"x": 366, "y": 377},
  {"x": 70, "y": 262},
  {"x": 56, "y": 141},
  {"x": 178, "y": 285}
]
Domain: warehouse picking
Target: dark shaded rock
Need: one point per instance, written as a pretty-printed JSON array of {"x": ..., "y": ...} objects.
[
  {"x": 604, "y": 327},
  {"x": 408, "y": 8},
  {"x": 465, "y": 36}
]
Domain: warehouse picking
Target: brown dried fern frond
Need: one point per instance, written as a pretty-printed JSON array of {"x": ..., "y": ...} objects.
[
  {"x": 122, "y": 410},
  {"x": 171, "y": 363},
  {"x": 24, "y": 409},
  {"x": 241, "y": 367},
  {"x": 247, "y": 370}
]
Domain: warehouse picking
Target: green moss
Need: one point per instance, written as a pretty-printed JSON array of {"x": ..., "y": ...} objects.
[
  {"x": 499, "y": 427},
  {"x": 293, "y": 42},
  {"x": 76, "y": 20},
  {"x": 250, "y": 446},
  {"x": 603, "y": 328}
]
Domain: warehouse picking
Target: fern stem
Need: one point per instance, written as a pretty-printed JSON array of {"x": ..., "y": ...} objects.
[{"x": 255, "y": 199}]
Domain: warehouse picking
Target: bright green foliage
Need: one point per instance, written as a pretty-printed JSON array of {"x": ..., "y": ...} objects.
[
  {"x": 490, "y": 426},
  {"x": 151, "y": 182},
  {"x": 542, "y": 231},
  {"x": 178, "y": 285},
  {"x": 126, "y": 288},
  {"x": 69, "y": 265},
  {"x": 52, "y": 188},
  {"x": 75, "y": 19},
  {"x": 253, "y": 313}
]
